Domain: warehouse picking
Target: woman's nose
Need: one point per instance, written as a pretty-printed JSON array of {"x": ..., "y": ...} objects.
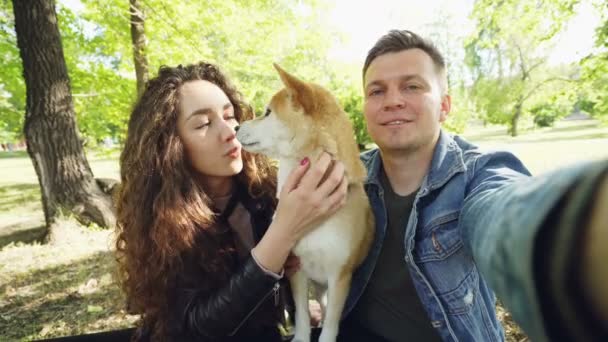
[{"x": 228, "y": 131}]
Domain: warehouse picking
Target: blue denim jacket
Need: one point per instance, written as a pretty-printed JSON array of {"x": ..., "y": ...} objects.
[{"x": 470, "y": 217}]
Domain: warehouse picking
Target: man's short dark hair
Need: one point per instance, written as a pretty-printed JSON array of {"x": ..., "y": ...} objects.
[{"x": 399, "y": 40}]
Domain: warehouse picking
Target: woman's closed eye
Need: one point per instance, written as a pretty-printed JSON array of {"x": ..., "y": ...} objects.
[{"x": 202, "y": 124}]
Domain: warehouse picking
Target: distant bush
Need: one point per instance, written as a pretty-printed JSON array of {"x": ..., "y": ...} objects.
[{"x": 546, "y": 114}]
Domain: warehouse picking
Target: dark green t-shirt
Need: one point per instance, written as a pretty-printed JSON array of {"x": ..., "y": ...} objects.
[{"x": 389, "y": 306}]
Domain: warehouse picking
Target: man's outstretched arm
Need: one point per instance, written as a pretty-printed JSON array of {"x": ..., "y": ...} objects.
[
  {"x": 529, "y": 239},
  {"x": 595, "y": 254}
]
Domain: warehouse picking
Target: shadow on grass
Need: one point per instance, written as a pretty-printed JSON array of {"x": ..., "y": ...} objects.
[
  {"x": 17, "y": 233},
  {"x": 17, "y": 195},
  {"x": 490, "y": 134},
  {"x": 47, "y": 303},
  {"x": 549, "y": 138},
  {"x": 531, "y": 137},
  {"x": 577, "y": 127},
  {"x": 13, "y": 154}
]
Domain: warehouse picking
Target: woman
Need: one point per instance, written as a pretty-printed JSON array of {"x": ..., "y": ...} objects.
[{"x": 199, "y": 256}]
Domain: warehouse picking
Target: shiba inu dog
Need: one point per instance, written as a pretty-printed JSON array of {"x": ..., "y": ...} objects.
[{"x": 303, "y": 120}]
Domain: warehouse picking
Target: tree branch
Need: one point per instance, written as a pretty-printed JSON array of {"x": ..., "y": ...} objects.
[{"x": 540, "y": 84}]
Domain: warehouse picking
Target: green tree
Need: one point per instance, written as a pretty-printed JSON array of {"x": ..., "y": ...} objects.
[
  {"x": 12, "y": 87},
  {"x": 138, "y": 39},
  {"x": 66, "y": 180},
  {"x": 508, "y": 54},
  {"x": 594, "y": 97},
  {"x": 244, "y": 38},
  {"x": 351, "y": 99}
]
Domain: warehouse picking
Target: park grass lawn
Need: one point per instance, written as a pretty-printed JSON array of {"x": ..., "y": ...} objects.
[
  {"x": 68, "y": 288},
  {"x": 545, "y": 149},
  {"x": 62, "y": 289}
]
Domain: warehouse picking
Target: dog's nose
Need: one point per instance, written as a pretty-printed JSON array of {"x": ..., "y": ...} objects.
[{"x": 236, "y": 128}]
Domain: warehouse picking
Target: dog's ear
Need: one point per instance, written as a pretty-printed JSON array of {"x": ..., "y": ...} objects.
[{"x": 301, "y": 91}]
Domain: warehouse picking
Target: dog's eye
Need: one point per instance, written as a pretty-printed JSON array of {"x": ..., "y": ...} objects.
[{"x": 268, "y": 111}]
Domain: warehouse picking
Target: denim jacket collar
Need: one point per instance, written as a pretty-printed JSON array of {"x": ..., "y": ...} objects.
[{"x": 447, "y": 161}]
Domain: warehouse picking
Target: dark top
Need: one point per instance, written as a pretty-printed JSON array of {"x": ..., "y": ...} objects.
[
  {"x": 389, "y": 306},
  {"x": 234, "y": 299}
]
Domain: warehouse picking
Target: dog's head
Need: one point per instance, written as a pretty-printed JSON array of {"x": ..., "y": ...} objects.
[{"x": 301, "y": 119}]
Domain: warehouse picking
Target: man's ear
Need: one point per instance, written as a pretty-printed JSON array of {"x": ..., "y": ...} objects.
[
  {"x": 302, "y": 93},
  {"x": 446, "y": 107}
]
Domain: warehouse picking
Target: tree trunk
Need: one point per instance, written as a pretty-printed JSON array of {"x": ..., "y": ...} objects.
[
  {"x": 515, "y": 118},
  {"x": 66, "y": 181},
  {"x": 138, "y": 38}
]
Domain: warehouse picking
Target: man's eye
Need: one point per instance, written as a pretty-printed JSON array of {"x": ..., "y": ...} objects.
[
  {"x": 375, "y": 92},
  {"x": 268, "y": 111}
]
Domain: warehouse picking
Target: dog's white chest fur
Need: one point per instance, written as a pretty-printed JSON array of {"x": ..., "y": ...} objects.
[
  {"x": 324, "y": 251},
  {"x": 328, "y": 255}
]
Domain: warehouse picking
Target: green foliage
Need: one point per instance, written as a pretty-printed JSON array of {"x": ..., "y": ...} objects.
[
  {"x": 494, "y": 100},
  {"x": 463, "y": 109},
  {"x": 585, "y": 105},
  {"x": 595, "y": 71},
  {"x": 544, "y": 115},
  {"x": 244, "y": 38},
  {"x": 507, "y": 56},
  {"x": 12, "y": 86},
  {"x": 351, "y": 99}
]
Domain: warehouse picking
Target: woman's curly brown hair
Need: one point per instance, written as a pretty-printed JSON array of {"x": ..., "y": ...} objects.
[{"x": 161, "y": 209}]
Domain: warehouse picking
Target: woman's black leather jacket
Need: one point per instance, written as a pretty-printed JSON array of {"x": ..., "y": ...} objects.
[{"x": 247, "y": 303}]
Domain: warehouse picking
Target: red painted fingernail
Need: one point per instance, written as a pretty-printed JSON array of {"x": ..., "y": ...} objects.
[{"x": 304, "y": 161}]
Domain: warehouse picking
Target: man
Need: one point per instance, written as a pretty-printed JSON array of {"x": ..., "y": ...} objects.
[{"x": 454, "y": 224}]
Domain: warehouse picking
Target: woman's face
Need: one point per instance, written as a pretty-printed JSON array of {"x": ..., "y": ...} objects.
[{"x": 206, "y": 126}]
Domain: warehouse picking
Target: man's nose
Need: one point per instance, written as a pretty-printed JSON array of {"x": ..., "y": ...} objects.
[{"x": 393, "y": 99}]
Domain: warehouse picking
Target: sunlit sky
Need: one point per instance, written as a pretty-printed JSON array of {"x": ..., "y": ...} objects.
[{"x": 364, "y": 21}]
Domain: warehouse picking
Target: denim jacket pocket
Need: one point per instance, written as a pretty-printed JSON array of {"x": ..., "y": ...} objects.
[
  {"x": 439, "y": 239},
  {"x": 440, "y": 253},
  {"x": 462, "y": 299}
]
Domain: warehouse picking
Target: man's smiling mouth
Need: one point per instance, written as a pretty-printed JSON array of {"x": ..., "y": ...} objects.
[{"x": 397, "y": 122}]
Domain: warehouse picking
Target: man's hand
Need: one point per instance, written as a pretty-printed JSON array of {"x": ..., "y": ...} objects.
[
  {"x": 595, "y": 254},
  {"x": 316, "y": 313}
]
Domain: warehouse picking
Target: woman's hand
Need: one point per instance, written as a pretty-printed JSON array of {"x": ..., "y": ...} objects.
[{"x": 305, "y": 199}]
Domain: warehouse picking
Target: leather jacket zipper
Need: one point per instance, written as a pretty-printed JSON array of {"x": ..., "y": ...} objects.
[{"x": 275, "y": 291}]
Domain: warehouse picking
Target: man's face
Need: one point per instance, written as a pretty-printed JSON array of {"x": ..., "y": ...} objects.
[{"x": 404, "y": 102}]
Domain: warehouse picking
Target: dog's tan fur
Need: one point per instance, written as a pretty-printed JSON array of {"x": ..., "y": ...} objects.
[{"x": 309, "y": 121}]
